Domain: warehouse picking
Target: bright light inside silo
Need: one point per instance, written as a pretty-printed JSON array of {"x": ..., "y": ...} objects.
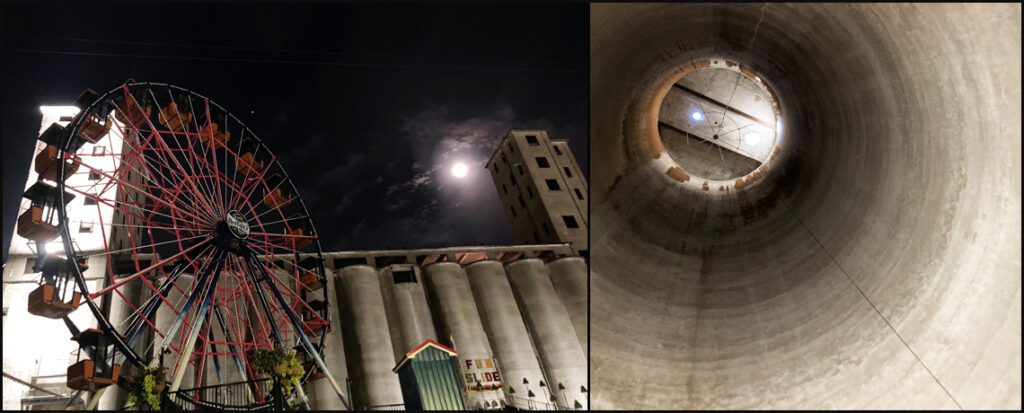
[
  {"x": 752, "y": 139},
  {"x": 696, "y": 115},
  {"x": 459, "y": 170}
]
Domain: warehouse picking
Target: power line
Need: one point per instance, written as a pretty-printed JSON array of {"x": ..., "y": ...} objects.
[
  {"x": 320, "y": 63},
  {"x": 257, "y": 49}
]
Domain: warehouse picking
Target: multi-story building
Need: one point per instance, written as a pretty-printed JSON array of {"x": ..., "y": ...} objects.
[
  {"x": 516, "y": 316},
  {"x": 541, "y": 188}
]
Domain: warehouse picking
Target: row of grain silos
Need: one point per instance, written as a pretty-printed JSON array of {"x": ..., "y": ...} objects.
[{"x": 525, "y": 320}]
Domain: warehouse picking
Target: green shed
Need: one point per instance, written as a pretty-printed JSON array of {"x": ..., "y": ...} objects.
[{"x": 430, "y": 378}]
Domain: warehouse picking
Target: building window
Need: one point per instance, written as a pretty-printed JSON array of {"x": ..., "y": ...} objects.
[
  {"x": 94, "y": 176},
  {"x": 29, "y": 266},
  {"x": 568, "y": 173},
  {"x": 513, "y": 209},
  {"x": 553, "y": 184},
  {"x": 521, "y": 202},
  {"x": 504, "y": 158},
  {"x": 504, "y": 188},
  {"x": 512, "y": 178},
  {"x": 519, "y": 167},
  {"x": 529, "y": 190},
  {"x": 404, "y": 276},
  {"x": 570, "y": 221},
  {"x": 532, "y": 140},
  {"x": 511, "y": 149},
  {"x": 547, "y": 230},
  {"x": 495, "y": 165},
  {"x": 85, "y": 227},
  {"x": 99, "y": 150},
  {"x": 89, "y": 201},
  {"x": 557, "y": 151},
  {"x": 543, "y": 162},
  {"x": 578, "y": 193}
]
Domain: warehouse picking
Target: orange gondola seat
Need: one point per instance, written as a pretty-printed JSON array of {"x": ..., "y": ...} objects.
[
  {"x": 275, "y": 195},
  {"x": 48, "y": 160},
  {"x": 312, "y": 321},
  {"x": 93, "y": 126},
  {"x": 130, "y": 112},
  {"x": 50, "y": 299},
  {"x": 93, "y": 373},
  {"x": 299, "y": 228},
  {"x": 211, "y": 130},
  {"x": 246, "y": 162},
  {"x": 308, "y": 269},
  {"x": 36, "y": 223},
  {"x": 173, "y": 119},
  {"x": 316, "y": 374}
]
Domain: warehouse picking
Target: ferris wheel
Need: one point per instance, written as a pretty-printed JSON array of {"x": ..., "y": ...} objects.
[{"x": 208, "y": 249}]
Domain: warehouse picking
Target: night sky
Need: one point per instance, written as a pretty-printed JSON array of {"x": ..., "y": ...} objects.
[{"x": 367, "y": 107}]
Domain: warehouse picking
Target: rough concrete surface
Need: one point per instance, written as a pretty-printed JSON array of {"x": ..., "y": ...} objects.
[{"x": 875, "y": 264}]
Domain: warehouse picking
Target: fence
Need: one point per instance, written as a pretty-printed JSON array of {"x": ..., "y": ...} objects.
[{"x": 246, "y": 395}]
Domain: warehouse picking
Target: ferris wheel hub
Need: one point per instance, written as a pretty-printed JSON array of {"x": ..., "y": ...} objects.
[{"x": 237, "y": 224}]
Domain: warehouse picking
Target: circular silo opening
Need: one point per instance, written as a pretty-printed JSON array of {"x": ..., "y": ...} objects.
[{"x": 720, "y": 122}]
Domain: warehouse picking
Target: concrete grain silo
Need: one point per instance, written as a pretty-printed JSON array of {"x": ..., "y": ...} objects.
[
  {"x": 517, "y": 358},
  {"x": 873, "y": 263},
  {"x": 549, "y": 324},
  {"x": 405, "y": 304},
  {"x": 569, "y": 275},
  {"x": 370, "y": 357},
  {"x": 461, "y": 325}
]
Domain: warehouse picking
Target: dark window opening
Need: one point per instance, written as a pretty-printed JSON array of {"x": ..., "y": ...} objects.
[
  {"x": 520, "y": 168},
  {"x": 504, "y": 188},
  {"x": 532, "y": 140},
  {"x": 521, "y": 202},
  {"x": 94, "y": 176},
  {"x": 568, "y": 173},
  {"x": 512, "y": 179},
  {"x": 513, "y": 209},
  {"x": 407, "y": 276},
  {"x": 536, "y": 238},
  {"x": 85, "y": 227},
  {"x": 66, "y": 118},
  {"x": 30, "y": 266},
  {"x": 99, "y": 150},
  {"x": 529, "y": 190},
  {"x": 504, "y": 158},
  {"x": 547, "y": 230},
  {"x": 553, "y": 184},
  {"x": 543, "y": 162},
  {"x": 578, "y": 193},
  {"x": 557, "y": 151},
  {"x": 495, "y": 165},
  {"x": 511, "y": 149},
  {"x": 89, "y": 201},
  {"x": 340, "y": 263},
  {"x": 570, "y": 221}
]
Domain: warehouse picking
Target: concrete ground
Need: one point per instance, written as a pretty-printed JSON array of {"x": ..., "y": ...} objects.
[{"x": 875, "y": 264}]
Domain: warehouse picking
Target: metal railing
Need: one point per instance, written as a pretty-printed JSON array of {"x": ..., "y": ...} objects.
[
  {"x": 399, "y": 406},
  {"x": 246, "y": 395},
  {"x": 523, "y": 403}
]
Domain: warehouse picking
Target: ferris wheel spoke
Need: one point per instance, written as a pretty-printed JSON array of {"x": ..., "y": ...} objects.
[
  {"x": 191, "y": 155},
  {"x": 155, "y": 134},
  {"x": 133, "y": 187},
  {"x": 140, "y": 156},
  {"x": 148, "y": 269}
]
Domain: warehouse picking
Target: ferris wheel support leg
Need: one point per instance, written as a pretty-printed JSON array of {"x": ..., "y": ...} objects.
[
  {"x": 304, "y": 339},
  {"x": 231, "y": 347},
  {"x": 94, "y": 400},
  {"x": 194, "y": 335},
  {"x": 252, "y": 264},
  {"x": 181, "y": 317}
]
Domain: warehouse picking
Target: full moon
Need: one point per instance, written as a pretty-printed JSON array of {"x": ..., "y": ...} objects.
[{"x": 459, "y": 170}]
